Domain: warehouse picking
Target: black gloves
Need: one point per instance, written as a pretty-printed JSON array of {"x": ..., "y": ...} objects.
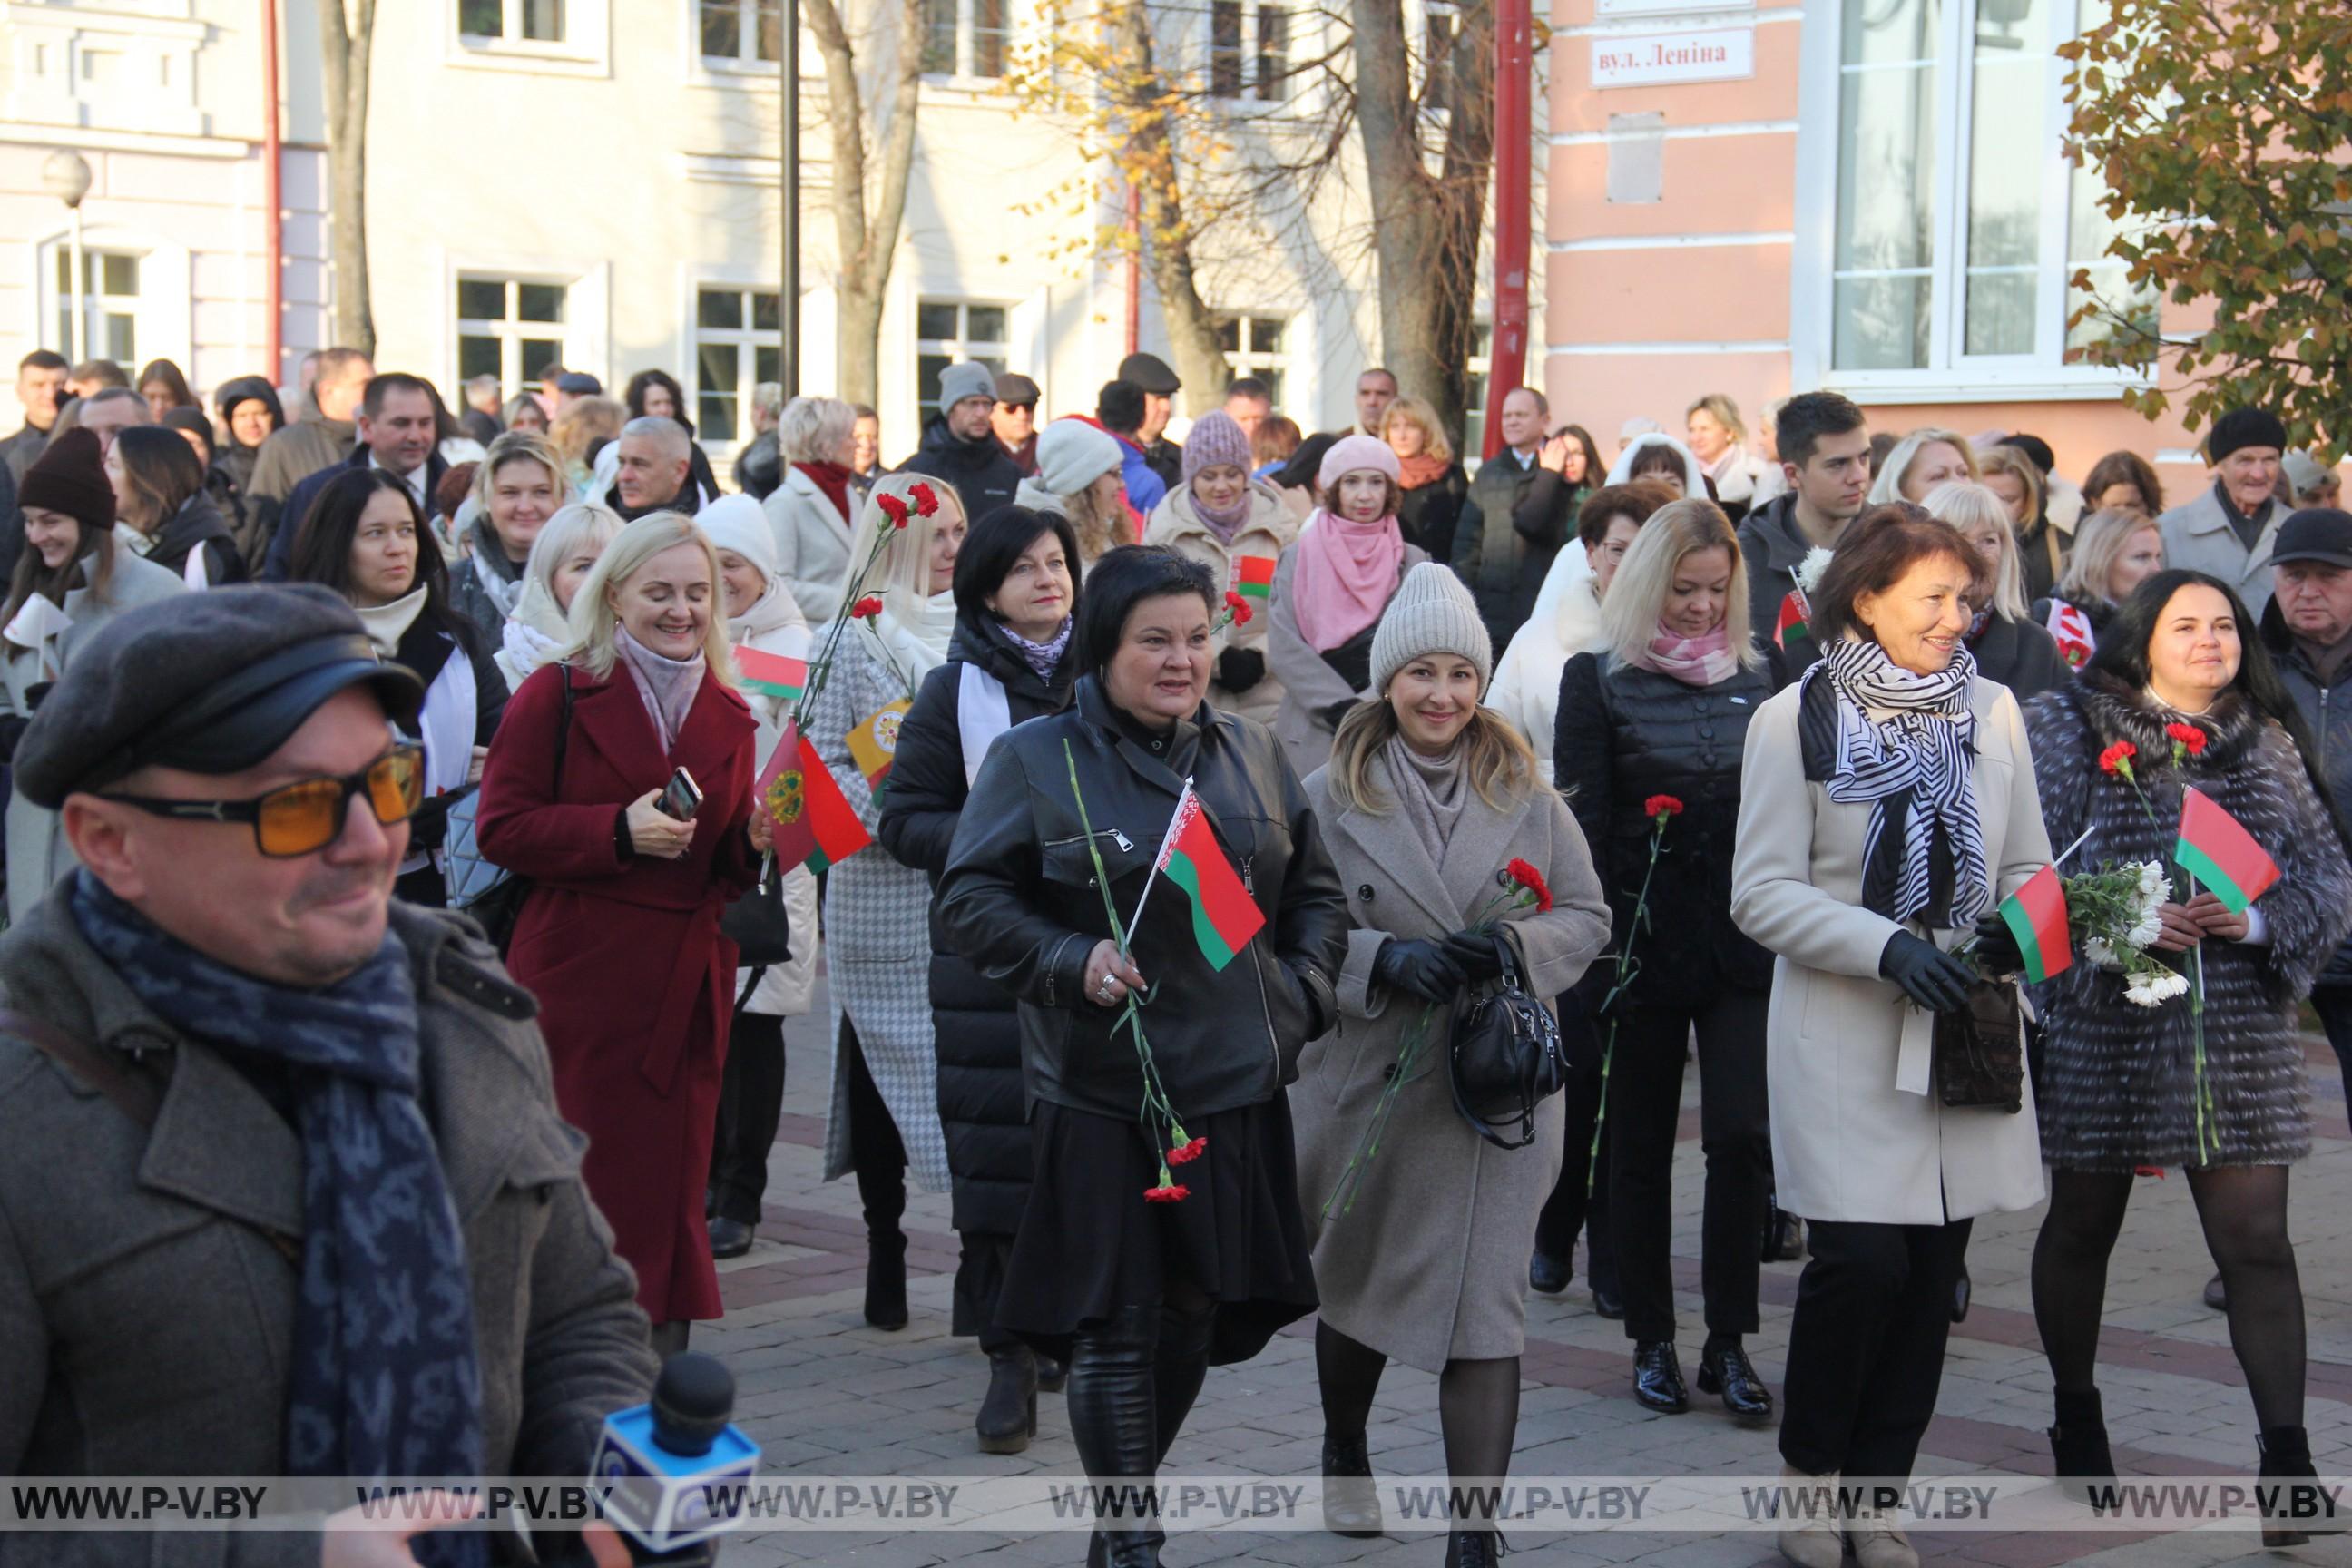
[
  {"x": 1331, "y": 713},
  {"x": 1928, "y": 975},
  {"x": 1424, "y": 968},
  {"x": 1239, "y": 668},
  {"x": 1997, "y": 951},
  {"x": 1475, "y": 952}
]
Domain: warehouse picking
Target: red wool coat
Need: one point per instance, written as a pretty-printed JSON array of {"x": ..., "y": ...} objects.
[{"x": 636, "y": 985}]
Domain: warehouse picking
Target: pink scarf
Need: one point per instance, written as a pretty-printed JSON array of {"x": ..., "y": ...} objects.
[
  {"x": 1694, "y": 661},
  {"x": 1347, "y": 573}
]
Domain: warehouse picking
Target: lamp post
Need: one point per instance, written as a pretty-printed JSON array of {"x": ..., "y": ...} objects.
[
  {"x": 788, "y": 297},
  {"x": 65, "y": 174}
]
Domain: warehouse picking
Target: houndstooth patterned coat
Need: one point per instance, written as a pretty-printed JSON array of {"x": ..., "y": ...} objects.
[
  {"x": 877, "y": 938},
  {"x": 2117, "y": 1079}
]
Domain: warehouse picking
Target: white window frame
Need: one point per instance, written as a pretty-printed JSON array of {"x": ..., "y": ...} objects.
[
  {"x": 1248, "y": 359},
  {"x": 1481, "y": 365},
  {"x": 734, "y": 67},
  {"x": 747, "y": 341},
  {"x": 584, "y": 50},
  {"x": 1252, "y": 96},
  {"x": 962, "y": 347},
  {"x": 1951, "y": 375},
  {"x": 967, "y": 48},
  {"x": 166, "y": 317},
  {"x": 515, "y": 375}
]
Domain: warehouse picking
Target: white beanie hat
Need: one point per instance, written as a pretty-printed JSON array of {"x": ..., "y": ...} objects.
[
  {"x": 1431, "y": 613},
  {"x": 1073, "y": 454},
  {"x": 738, "y": 523}
]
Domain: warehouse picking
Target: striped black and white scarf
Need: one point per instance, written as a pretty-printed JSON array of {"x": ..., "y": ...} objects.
[{"x": 1924, "y": 854}]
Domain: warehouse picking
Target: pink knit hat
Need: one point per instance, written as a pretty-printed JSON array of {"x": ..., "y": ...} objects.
[{"x": 1351, "y": 453}]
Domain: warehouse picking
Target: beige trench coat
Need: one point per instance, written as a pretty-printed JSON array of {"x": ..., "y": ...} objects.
[
  {"x": 1857, "y": 1135},
  {"x": 1429, "y": 1264}
]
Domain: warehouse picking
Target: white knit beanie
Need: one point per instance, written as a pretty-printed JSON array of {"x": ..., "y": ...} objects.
[
  {"x": 1431, "y": 613},
  {"x": 1073, "y": 454},
  {"x": 738, "y": 523}
]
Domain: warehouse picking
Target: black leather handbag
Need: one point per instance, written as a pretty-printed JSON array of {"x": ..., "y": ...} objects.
[
  {"x": 757, "y": 924},
  {"x": 1506, "y": 1058},
  {"x": 1979, "y": 1051}
]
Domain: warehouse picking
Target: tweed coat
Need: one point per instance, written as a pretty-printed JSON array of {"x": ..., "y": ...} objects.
[
  {"x": 1857, "y": 1133},
  {"x": 1310, "y": 684},
  {"x": 146, "y": 1307},
  {"x": 878, "y": 937},
  {"x": 1430, "y": 1263},
  {"x": 2118, "y": 1080}
]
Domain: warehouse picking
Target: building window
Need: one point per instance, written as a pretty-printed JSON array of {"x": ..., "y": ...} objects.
[
  {"x": 948, "y": 331},
  {"x": 1253, "y": 347},
  {"x": 1959, "y": 223},
  {"x": 110, "y": 303},
  {"x": 737, "y": 345},
  {"x": 747, "y": 31},
  {"x": 1473, "y": 395},
  {"x": 1440, "y": 25},
  {"x": 512, "y": 21},
  {"x": 1249, "y": 50},
  {"x": 964, "y": 37},
  {"x": 509, "y": 327}
]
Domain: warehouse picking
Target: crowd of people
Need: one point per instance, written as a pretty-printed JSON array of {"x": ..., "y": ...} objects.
[{"x": 1724, "y": 748}]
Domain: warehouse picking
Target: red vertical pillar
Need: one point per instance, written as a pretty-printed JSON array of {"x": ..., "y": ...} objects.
[{"x": 1514, "y": 132}]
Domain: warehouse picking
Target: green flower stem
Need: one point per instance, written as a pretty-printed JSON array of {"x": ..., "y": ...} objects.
[
  {"x": 1157, "y": 1114},
  {"x": 2202, "y": 1092},
  {"x": 1626, "y": 968}
]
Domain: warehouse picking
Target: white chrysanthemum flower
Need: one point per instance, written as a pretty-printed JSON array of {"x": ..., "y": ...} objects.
[
  {"x": 2149, "y": 928},
  {"x": 2096, "y": 950},
  {"x": 2171, "y": 982},
  {"x": 1810, "y": 570},
  {"x": 2140, "y": 995}
]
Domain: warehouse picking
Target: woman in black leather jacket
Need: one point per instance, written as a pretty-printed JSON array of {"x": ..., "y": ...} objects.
[
  {"x": 1666, "y": 712},
  {"x": 1144, "y": 1295}
]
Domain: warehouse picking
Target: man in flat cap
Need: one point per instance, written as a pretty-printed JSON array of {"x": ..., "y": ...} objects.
[
  {"x": 1160, "y": 386},
  {"x": 283, "y": 1191},
  {"x": 2227, "y": 530},
  {"x": 1015, "y": 421}
]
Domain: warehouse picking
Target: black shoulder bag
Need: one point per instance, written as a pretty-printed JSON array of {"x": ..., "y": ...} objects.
[{"x": 1506, "y": 1058}]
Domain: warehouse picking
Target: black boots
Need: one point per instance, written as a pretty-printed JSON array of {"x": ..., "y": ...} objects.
[
  {"x": 886, "y": 1278},
  {"x": 1658, "y": 1377},
  {"x": 1549, "y": 1272},
  {"x": 1723, "y": 1369},
  {"x": 1008, "y": 1415},
  {"x": 1351, "y": 1503},
  {"x": 1473, "y": 1549},
  {"x": 2293, "y": 1514},
  {"x": 2078, "y": 1449},
  {"x": 1132, "y": 1381}
]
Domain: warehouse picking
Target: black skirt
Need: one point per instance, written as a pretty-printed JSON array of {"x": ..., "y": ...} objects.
[{"x": 1090, "y": 1243}]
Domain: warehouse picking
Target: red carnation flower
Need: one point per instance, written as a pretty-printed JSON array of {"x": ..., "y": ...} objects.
[
  {"x": 2187, "y": 737},
  {"x": 894, "y": 508},
  {"x": 1662, "y": 809},
  {"x": 1170, "y": 1194},
  {"x": 1238, "y": 606},
  {"x": 2117, "y": 759},
  {"x": 927, "y": 502},
  {"x": 1185, "y": 1153},
  {"x": 1528, "y": 877},
  {"x": 866, "y": 609}
]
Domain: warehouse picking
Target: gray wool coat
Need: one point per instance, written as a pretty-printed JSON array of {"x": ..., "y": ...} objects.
[
  {"x": 2197, "y": 534},
  {"x": 147, "y": 1307},
  {"x": 1429, "y": 1263}
]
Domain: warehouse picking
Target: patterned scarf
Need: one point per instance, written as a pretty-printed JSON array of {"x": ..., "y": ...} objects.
[
  {"x": 1915, "y": 769},
  {"x": 1041, "y": 657},
  {"x": 1694, "y": 662},
  {"x": 383, "y": 1379}
]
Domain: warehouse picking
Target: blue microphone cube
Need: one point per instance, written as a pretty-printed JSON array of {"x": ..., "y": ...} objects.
[{"x": 666, "y": 1502}]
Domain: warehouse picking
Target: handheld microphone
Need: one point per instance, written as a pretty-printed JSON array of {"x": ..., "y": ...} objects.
[{"x": 678, "y": 1467}]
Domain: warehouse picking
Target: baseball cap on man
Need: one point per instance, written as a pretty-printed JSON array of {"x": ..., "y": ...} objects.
[{"x": 2321, "y": 533}]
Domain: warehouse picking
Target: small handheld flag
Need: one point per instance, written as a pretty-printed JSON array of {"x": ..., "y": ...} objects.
[
  {"x": 772, "y": 674},
  {"x": 1794, "y": 612},
  {"x": 1253, "y": 576},
  {"x": 1224, "y": 916},
  {"x": 2216, "y": 849},
  {"x": 2036, "y": 916},
  {"x": 815, "y": 825},
  {"x": 874, "y": 742}
]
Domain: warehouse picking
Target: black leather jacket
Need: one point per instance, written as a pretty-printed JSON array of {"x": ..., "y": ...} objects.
[{"x": 1020, "y": 900}]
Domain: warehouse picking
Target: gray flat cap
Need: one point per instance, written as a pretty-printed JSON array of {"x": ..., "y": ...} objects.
[{"x": 213, "y": 682}]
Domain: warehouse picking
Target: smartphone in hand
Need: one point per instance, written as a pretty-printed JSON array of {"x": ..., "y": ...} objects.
[{"x": 682, "y": 798}]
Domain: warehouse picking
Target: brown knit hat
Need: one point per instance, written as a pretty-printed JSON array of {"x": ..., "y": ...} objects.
[{"x": 70, "y": 476}]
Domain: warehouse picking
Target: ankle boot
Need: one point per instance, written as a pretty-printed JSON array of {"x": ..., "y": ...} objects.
[
  {"x": 886, "y": 1278},
  {"x": 1811, "y": 1539},
  {"x": 1351, "y": 1503},
  {"x": 1111, "y": 1398},
  {"x": 1876, "y": 1540},
  {"x": 2078, "y": 1450},
  {"x": 1050, "y": 1374},
  {"x": 2293, "y": 1514},
  {"x": 1475, "y": 1548},
  {"x": 1008, "y": 1415}
]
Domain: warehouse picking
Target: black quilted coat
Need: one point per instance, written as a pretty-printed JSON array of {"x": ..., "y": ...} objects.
[
  {"x": 2118, "y": 1078},
  {"x": 982, "y": 1107}
]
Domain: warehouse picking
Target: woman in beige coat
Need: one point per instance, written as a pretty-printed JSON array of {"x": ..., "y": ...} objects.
[
  {"x": 1237, "y": 527},
  {"x": 1887, "y": 804},
  {"x": 1421, "y": 1253}
]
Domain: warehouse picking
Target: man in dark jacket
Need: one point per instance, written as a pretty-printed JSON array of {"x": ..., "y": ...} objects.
[
  {"x": 759, "y": 466},
  {"x": 1015, "y": 421},
  {"x": 959, "y": 443},
  {"x": 40, "y": 391},
  {"x": 1520, "y": 511},
  {"x": 1824, "y": 446},
  {"x": 2308, "y": 628},
  {"x": 246, "y": 1099},
  {"x": 398, "y": 431},
  {"x": 1160, "y": 386}
]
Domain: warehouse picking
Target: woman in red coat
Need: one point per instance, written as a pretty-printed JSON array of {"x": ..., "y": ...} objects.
[{"x": 619, "y": 937}]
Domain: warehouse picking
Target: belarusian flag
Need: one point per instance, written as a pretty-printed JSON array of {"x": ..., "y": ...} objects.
[
  {"x": 1793, "y": 613},
  {"x": 1253, "y": 576},
  {"x": 2036, "y": 916},
  {"x": 2217, "y": 850},
  {"x": 1225, "y": 917},
  {"x": 772, "y": 674},
  {"x": 815, "y": 826}
]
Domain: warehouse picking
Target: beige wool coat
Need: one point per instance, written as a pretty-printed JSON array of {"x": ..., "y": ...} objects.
[
  {"x": 1857, "y": 1133},
  {"x": 1430, "y": 1263},
  {"x": 1268, "y": 532}
]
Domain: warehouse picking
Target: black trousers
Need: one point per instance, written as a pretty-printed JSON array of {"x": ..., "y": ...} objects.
[
  {"x": 1569, "y": 1209},
  {"x": 750, "y": 1101},
  {"x": 877, "y": 1157},
  {"x": 1646, "y": 1094},
  {"x": 1866, "y": 1346},
  {"x": 2334, "y": 1005}
]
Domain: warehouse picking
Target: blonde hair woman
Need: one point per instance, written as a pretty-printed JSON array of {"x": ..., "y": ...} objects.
[
  {"x": 1424, "y": 1260},
  {"x": 811, "y": 510},
  {"x": 1926, "y": 457},
  {"x": 2010, "y": 474},
  {"x": 885, "y": 1112},
  {"x": 619, "y": 936},
  {"x": 580, "y": 432},
  {"x": 1665, "y": 711},
  {"x": 2009, "y": 646},
  {"x": 1434, "y": 483},
  {"x": 2115, "y": 552},
  {"x": 565, "y": 552},
  {"x": 518, "y": 486}
]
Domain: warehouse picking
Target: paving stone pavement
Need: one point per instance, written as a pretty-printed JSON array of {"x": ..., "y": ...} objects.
[{"x": 826, "y": 1396}]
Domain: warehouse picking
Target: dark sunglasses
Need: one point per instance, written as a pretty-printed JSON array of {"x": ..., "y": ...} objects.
[{"x": 307, "y": 816}]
